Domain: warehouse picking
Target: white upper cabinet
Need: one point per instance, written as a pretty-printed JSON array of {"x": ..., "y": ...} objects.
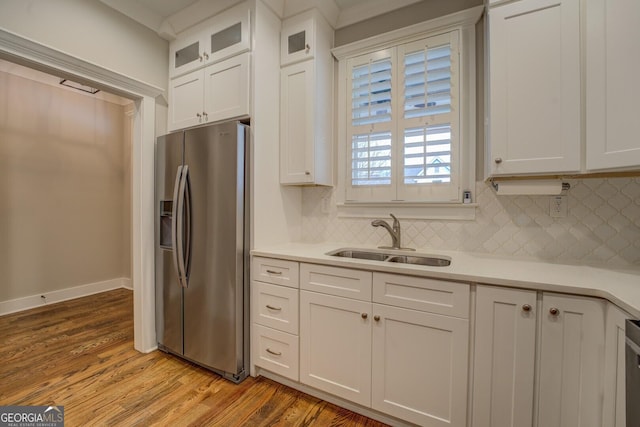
[
  {"x": 297, "y": 42},
  {"x": 217, "y": 92},
  {"x": 534, "y": 94},
  {"x": 612, "y": 84},
  {"x": 215, "y": 39},
  {"x": 306, "y": 101}
]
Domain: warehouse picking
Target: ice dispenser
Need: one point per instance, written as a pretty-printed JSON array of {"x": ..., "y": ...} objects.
[{"x": 166, "y": 207}]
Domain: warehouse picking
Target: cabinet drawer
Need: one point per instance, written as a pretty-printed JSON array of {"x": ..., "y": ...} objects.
[
  {"x": 434, "y": 296},
  {"x": 275, "y": 306},
  {"x": 342, "y": 282},
  {"x": 276, "y": 271},
  {"x": 275, "y": 351}
]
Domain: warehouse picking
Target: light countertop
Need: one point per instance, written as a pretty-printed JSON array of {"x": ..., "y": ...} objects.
[{"x": 621, "y": 287}]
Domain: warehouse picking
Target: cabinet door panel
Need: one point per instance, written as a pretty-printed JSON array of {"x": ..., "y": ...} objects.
[
  {"x": 298, "y": 40},
  {"x": 505, "y": 347},
  {"x": 613, "y": 89},
  {"x": 534, "y": 57},
  {"x": 185, "y": 95},
  {"x": 185, "y": 53},
  {"x": 227, "y": 89},
  {"x": 335, "y": 346},
  {"x": 420, "y": 366},
  {"x": 571, "y": 362},
  {"x": 614, "y": 412},
  {"x": 296, "y": 123}
]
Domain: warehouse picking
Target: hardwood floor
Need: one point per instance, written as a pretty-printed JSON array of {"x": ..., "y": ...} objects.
[{"x": 80, "y": 354}]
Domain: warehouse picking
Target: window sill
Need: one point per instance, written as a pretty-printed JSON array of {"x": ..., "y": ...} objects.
[{"x": 439, "y": 211}]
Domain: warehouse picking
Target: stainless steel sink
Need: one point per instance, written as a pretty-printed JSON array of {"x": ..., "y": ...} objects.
[
  {"x": 420, "y": 260},
  {"x": 348, "y": 253},
  {"x": 393, "y": 256}
]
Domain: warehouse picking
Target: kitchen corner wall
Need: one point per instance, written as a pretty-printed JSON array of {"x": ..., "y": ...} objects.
[
  {"x": 65, "y": 208},
  {"x": 602, "y": 226}
]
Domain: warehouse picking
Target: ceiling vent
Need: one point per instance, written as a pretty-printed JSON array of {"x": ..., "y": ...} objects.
[{"x": 78, "y": 86}]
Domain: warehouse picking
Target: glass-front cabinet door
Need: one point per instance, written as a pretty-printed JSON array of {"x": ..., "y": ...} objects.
[
  {"x": 220, "y": 37},
  {"x": 298, "y": 40}
]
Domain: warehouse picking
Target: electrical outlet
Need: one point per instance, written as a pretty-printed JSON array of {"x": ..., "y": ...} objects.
[{"x": 558, "y": 206}]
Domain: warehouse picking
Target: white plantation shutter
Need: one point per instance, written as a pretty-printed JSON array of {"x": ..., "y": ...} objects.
[
  {"x": 428, "y": 128},
  {"x": 370, "y": 127},
  {"x": 371, "y": 92},
  {"x": 403, "y": 123}
]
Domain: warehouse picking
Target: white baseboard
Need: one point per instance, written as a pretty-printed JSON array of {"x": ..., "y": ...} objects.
[{"x": 33, "y": 301}]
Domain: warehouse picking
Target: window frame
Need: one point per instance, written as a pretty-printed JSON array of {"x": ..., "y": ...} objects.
[{"x": 462, "y": 24}]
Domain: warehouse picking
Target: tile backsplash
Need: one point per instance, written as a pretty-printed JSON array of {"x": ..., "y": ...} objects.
[{"x": 602, "y": 226}]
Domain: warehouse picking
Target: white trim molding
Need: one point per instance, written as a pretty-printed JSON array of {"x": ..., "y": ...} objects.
[
  {"x": 44, "y": 58},
  {"x": 30, "y": 53},
  {"x": 464, "y": 18},
  {"x": 38, "y": 300}
]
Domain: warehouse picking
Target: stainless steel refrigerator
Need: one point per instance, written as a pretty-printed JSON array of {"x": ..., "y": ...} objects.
[{"x": 202, "y": 247}]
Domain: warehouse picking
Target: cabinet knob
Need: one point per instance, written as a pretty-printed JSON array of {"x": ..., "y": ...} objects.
[
  {"x": 200, "y": 58},
  {"x": 206, "y": 55},
  {"x": 364, "y": 315},
  {"x": 526, "y": 307},
  {"x": 376, "y": 318},
  {"x": 498, "y": 160},
  {"x": 307, "y": 48},
  {"x": 307, "y": 173},
  {"x": 554, "y": 311},
  {"x": 198, "y": 115},
  {"x": 205, "y": 115}
]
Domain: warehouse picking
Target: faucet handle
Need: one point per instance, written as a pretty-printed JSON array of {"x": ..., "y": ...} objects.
[{"x": 396, "y": 223}]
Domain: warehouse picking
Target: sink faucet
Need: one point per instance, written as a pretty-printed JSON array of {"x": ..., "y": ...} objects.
[{"x": 396, "y": 242}]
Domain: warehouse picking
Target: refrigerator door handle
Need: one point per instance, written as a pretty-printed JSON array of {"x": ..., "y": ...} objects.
[
  {"x": 187, "y": 241},
  {"x": 175, "y": 224},
  {"x": 180, "y": 249}
]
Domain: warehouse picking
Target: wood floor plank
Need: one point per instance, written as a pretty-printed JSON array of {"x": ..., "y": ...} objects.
[{"x": 80, "y": 354}]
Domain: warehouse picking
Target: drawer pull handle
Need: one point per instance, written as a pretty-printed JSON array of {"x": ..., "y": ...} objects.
[
  {"x": 277, "y": 273},
  {"x": 526, "y": 307},
  {"x": 275, "y": 353},
  {"x": 270, "y": 307}
]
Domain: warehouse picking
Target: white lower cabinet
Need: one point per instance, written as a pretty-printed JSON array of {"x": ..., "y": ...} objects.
[
  {"x": 400, "y": 345},
  {"x": 274, "y": 313},
  {"x": 571, "y": 361},
  {"x": 420, "y": 366},
  {"x": 504, "y": 357},
  {"x": 567, "y": 350},
  {"x": 614, "y": 411},
  {"x": 407, "y": 363},
  {"x": 335, "y": 345}
]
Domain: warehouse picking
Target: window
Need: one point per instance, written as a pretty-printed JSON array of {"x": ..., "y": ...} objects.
[{"x": 402, "y": 131}]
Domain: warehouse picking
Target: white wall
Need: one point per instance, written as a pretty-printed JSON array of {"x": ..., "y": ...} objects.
[
  {"x": 65, "y": 189},
  {"x": 90, "y": 30},
  {"x": 277, "y": 210}
]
